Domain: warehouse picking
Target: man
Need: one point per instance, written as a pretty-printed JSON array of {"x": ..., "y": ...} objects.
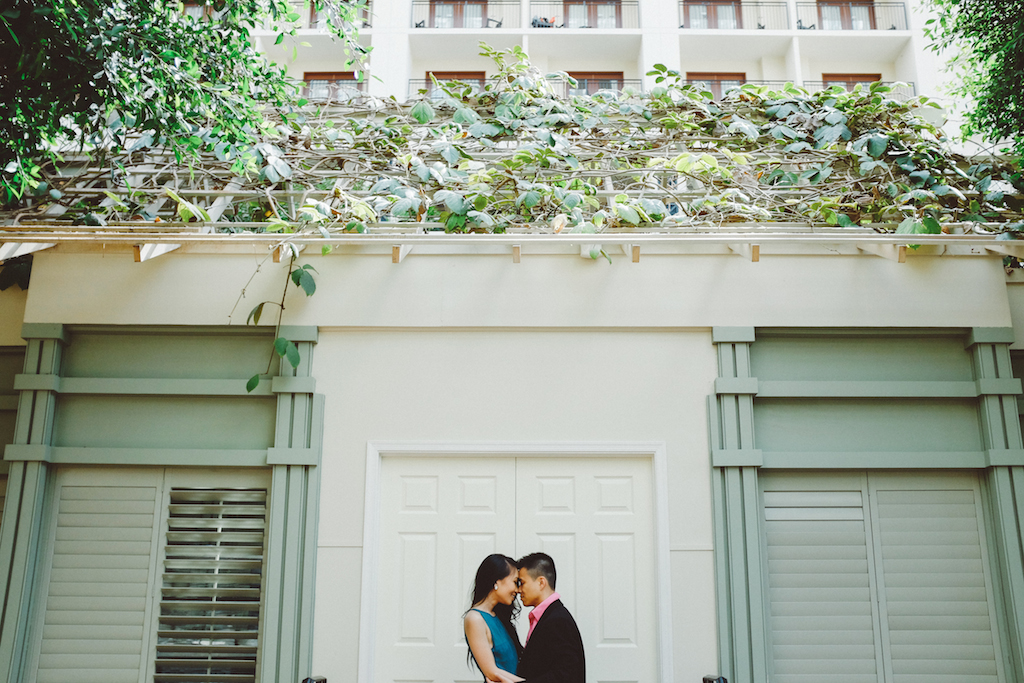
[{"x": 554, "y": 649}]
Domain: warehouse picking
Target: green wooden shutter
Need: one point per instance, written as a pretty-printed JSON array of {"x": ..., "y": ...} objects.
[
  {"x": 936, "y": 588},
  {"x": 820, "y": 598},
  {"x": 94, "y": 627},
  {"x": 879, "y": 577},
  {"x": 3, "y": 495},
  {"x": 210, "y": 599}
]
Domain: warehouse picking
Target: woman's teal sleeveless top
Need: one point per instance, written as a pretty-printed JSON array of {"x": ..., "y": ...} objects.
[{"x": 505, "y": 656}]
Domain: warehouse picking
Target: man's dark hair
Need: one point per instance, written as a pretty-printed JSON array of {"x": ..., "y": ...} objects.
[{"x": 539, "y": 564}]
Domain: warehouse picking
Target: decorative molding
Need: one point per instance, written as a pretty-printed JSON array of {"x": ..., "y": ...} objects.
[
  {"x": 300, "y": 333},
  {"x": 722, "y": 335},
  {"x": 736, "y": 385},
  {"x": 293, "y": 385},
  {"x": 293, "y": 456},
  {"x": 989, "y": 335},
  {"x": 375, "y": 451},
  {"x": 44, "y": 331},
  {"x": 737, "y": 457}
]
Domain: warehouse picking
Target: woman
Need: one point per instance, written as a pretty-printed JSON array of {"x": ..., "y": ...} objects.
[{"x": 491, "y": 637}]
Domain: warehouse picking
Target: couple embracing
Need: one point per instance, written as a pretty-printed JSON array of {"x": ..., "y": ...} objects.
[{"x": 554, "y": 649}]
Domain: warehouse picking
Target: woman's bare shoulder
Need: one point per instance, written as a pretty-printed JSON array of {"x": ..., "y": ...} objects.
[{"x": 473, "y": 618}]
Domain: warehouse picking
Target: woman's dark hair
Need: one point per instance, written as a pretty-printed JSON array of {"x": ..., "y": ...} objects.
[{"x": 494, "y": 568}]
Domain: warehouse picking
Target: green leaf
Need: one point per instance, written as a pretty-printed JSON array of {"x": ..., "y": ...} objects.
[
  {"x": 302, "y": 278},
  {"x": 455, "y": 202},
  {"x": 422, "y": 112},
  {"x": 931, "y": 226},
  {"x": 253, "y": 382},
  {"x": 287, "y": 349},
  {"x": 628, "y": 214},
  {"x": 910, "y": 226},
  {"x": 845, "y": 221},
  {"x": 484, "y": 130},
  {"x": 530, "y": 199},
  {"x": 877, "y": 145},
  {"x": 254, "y": 314}
]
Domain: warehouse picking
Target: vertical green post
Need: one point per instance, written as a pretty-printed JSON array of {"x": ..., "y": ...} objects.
[
  {"x": 742, "y": 642},
  {"x": 24, "y": 507},
  {"x": 1003, "y": 485},
  {"x": 287, "y": 651}
]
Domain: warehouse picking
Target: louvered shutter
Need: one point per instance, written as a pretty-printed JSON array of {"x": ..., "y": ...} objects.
[
  {"x": 821, "y": 621},
  {"x": 937, "y": 596},
  {"x": 94, "y": 626},
  {"x": 210, "y": 599},
  {"x": 840, "y": 544}
]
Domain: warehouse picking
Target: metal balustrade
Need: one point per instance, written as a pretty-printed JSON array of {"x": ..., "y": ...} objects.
[
  {"x": 419, "y": 86},
  {"x": 851, "y": 16},
  {"x": 610, "y": 14},
  {"x": 590, "y": 86},
  {"x": 318, "y": 21},
  {"x": 722, "y": 88},
  {"x": 901, "y": 90},
  {"x": 733, "y": 15},
  {"x": 319, "y": 91},
  {"x": 470, "y": 15},
  {"x": 584, "y": 86}
]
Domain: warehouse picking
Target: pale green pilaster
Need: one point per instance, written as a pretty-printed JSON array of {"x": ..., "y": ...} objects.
[
  {"x": 738, "y": 561},
  {"x": 24, "y": 507},
  {"x": 1003, "y": 485},
  {"x": 287, "y": 650}
]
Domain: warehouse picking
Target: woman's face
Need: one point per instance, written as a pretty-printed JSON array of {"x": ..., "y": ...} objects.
[{"x": 506, "y": 590}]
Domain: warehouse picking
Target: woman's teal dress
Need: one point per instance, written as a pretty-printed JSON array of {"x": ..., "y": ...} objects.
[{"x": 504, "y": 650}]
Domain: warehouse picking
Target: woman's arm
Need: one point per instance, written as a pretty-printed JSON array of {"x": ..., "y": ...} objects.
[{"x": 479, "y": 638}]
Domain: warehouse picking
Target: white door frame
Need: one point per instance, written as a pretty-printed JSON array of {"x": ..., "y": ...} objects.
[{"x": 376, "y": 450}]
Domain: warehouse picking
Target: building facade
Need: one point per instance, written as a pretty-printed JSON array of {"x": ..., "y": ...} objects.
[
  {"x": 805, "y": 466},
  {"x": 613, "y": 44}
]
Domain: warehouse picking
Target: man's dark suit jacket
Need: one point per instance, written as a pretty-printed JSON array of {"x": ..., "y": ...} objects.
[{"x": 554, "y": 653}]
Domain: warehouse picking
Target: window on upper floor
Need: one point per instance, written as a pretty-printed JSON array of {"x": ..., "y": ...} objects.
[
  {"x": 337, "y": 86},
  {"x": 840, "y": 16},
  {"x": 848, "y": 81},
  {"x": 720, "y": 15},
  {"x": 458, "y": 14},
  {"x": 582, "y": 14},
  {"x": 718, "y": 83},
  {"x": 197, "y": 10},
  {"x": 589, "y": 82}
]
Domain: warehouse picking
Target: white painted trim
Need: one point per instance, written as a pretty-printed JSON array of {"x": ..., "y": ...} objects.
[{"x": 375, "y": 451}]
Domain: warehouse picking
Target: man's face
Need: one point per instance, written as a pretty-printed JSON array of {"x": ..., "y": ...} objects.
[{"x": 531, "y": 589}]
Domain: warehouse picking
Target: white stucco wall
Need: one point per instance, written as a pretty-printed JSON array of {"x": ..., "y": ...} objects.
[
  {"x": 545, "y": 290},
  {"x": 471, "y": 347},
  {"x": 463, "y": 386}
]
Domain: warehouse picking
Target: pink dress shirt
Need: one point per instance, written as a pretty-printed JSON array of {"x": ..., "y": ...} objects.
[{"x": 538, "y": 612}]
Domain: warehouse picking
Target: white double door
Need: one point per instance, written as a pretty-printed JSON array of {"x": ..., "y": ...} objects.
[{"x": 440, "y": 516}]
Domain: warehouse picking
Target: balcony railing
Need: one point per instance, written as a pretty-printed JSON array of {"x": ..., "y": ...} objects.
[
  {"x": 420, "y": 85},
  {"x": 585, "y": 14},
  {"x": 322, "y": 92},
  {"x": 721, "y": 88},
  {"x": 590, "y": 86},
  {"x": 470, "y": 15},
  {"x": 733, "y": 15},
  {"x": 584, "y": 86},
  {"x": 851, "y": 16},
  {"x": 900, "y": 90},
  {"x": 318, "y": 20}
]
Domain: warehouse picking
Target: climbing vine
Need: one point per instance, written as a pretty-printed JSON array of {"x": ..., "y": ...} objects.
[{"x": 518, "y": 156}]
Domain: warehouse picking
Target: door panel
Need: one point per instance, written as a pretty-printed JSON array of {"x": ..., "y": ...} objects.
[
  {"x": 441, "y": 516},
  {"x": 595, "y": 518}
]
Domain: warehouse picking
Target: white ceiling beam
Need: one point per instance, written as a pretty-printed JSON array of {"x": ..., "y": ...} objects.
[
  {"x": 11, "y": 250},
  {"x": 747, "y": 250},
  {"x": 145, "y": 252},
  {"x": 893, "y": 252}
]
